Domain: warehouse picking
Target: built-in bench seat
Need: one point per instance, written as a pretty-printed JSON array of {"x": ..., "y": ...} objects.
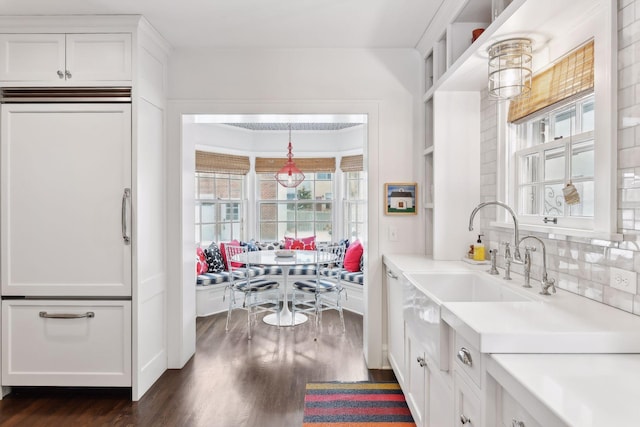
[{"x": 210, "y": 286}]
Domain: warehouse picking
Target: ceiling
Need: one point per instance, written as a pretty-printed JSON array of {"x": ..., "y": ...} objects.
[{"x": 261, "y": 23}]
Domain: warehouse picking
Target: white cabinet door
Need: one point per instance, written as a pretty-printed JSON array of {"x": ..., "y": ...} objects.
[
  {"x": 66, "y": 343},
  {"x": 32, "y": 57},
  {"x": 98, "y": 57},
  {"x": 467, "y": 403},
  {"x": 416, "y": 379},
  {"x": 427, "y": 391},
  {"x": 64, "y": 171},
  {"x": 440, "y": 399},
  {"x": 67, "y": 60},
  {"x": 395, "y": 323}
]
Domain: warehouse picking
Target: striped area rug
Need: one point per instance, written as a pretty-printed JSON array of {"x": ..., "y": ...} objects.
[{"x": 357, "y": 404}]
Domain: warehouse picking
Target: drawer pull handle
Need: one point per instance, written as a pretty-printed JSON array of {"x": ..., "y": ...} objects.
[
  {"x": 421, "y": 361},
  {"x": 88, "y": 314},
  {"x": 464, "y": 419},
  {"x": 465, "y": 356},
  {"x": 516, "y": 423}
]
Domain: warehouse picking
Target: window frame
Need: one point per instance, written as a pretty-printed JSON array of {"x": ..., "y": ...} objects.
[
  {"x": 551, "y": 142},
  {"x": 219, "y": 203},
  {"x": 350, "y": 203},
  {"x": 296, "y": 203}
]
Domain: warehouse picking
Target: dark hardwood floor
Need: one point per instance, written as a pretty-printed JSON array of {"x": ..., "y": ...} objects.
[{"x": 229, "y": 382}]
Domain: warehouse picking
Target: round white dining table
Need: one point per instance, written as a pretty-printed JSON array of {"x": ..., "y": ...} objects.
[{"x": 271, "y": 258}]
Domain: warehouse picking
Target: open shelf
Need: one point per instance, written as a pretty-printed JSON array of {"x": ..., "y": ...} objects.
[
  {"x": 428, "y": 72},
  {"x": 539, "y": 20},
  {"x": 428, "y": 124}
]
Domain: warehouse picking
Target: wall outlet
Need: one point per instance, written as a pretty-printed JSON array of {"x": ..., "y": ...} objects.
[{"x": 623, "y": 279}]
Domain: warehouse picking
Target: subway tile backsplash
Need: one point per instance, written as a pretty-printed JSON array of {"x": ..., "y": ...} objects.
[{"x": 581, "y": 265}]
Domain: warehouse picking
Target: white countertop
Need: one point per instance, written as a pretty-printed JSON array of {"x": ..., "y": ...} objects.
[
  {"x": 586, "y": 390},
  {"x": 580, "y": 389},
  {"x": 559, "y": 323}
]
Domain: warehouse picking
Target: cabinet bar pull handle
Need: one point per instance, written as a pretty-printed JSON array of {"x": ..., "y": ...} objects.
[
  {"x": 88, "y": 314},
  {"x": 126, "y": 196},
  {"x": 464, "y": 419},
  {"x": 391, "y": 274},
  {"x": 464, "y": 356}
]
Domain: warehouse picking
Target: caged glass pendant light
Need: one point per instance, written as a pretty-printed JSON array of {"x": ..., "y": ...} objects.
[
  {"x": 510, "y": 68},
  {"x": 289, "y": 175}
]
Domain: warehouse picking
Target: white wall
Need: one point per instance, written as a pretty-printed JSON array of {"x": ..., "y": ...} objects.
[{"x": 384, "y": 84}]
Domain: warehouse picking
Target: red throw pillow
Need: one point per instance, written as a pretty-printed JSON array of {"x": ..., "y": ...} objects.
[
  {"x": 306, "y": 243},
  {"x": 352, "y": 256},
  {"x": 224, "y": 254},
  {"x": 201, "y": 266},
  {"x": 201, "y": 263},
  {"x": 200, "y": 254}
]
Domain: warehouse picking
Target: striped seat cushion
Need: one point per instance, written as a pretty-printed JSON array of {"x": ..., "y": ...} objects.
[
  {"x": 303, "y": 270},
  {"x": 356, "y": 277},
  {"x": 253, "y": 271},
  {"x": 212, "y": 278},
  {"x": 312, "y": 285},
  {"x": 272, "y": 269},
  {"x": 330, "y": 271},
  {"x": 256, "y": 285}
]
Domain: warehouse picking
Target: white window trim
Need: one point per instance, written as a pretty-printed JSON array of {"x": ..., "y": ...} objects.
[
  {"x": 567, "y": 221},
  {"x": 602, "y": 26},
  {"x": 258, "y": 202}
]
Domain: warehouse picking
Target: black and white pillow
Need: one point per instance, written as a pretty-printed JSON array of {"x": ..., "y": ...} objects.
[
  {"x": 362, "y": 263},
  {"x": 214, "y": 258},
  {"x": 269, "y": 246}
]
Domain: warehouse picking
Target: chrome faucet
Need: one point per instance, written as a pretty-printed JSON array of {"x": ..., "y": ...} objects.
[
  {"x": 546, "y": 282},
  {"x": 493, "y": 270},
  {"x": 527, "y": 266},
  {"x": 507, "y": 260},
  {"x": 516, "y": 231}
]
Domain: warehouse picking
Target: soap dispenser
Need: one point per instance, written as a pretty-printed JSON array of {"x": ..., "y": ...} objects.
[{"x": 478, "y": 249}]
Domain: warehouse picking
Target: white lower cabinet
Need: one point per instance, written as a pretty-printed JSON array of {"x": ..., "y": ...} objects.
[
  {"x": 466, "y": 403},
  {"x": 66, "y": 343},
  {"x": 510, "y": 413},
  {"x": 395, "y": 322},
  {"x": 428, "y": 389},
  {"x": 416, "y": 377}
]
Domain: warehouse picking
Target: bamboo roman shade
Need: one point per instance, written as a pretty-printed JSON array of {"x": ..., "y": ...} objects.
[
  {"x": 222, "y": 163},
  {"x": 570, "y": 76},
  {"x": 315, "y": 164},
  {"x": 352, "y": 163}
]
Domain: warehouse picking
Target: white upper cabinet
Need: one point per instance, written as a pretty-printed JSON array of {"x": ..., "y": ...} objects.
[{"x": 65, "y": 59}]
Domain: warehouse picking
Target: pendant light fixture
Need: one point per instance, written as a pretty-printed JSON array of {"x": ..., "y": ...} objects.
[
  {"x": 510, "y": 68},
  {"x": 289, "y": 175}
]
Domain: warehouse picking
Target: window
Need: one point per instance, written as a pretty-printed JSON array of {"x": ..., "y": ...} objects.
[
  {"x": 219, "y": 207},
  {"x": 551, "y": 149},
  {"x": 355, "y": 205},
  {"x": 306, "y": 210}
]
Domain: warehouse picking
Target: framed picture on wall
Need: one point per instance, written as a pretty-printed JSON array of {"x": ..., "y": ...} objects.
[{"x": 401, "y": 198}]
